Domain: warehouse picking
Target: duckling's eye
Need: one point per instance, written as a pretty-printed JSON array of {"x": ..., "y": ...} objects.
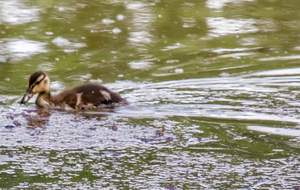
[{"x": 38, "y": 82}]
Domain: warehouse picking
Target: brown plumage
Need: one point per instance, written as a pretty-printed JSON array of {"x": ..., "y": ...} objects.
[{"x": 86, "y": 96}]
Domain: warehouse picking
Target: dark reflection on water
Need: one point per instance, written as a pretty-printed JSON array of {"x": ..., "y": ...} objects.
[{"x": 213, "y": 88}]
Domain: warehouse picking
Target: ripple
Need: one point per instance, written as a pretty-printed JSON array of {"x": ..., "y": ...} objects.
[
  {"x": 169, "y": 128},
  {"x": 245, "y": 97},
  {"x": 14, "y": 12},
  {"x": 276, "y": 72},
  {"x": 212, "y": 4},
  {"x": 290, "y": 57},
  {"x": 18, "y": 49},
  {"x": 275, "y": 131},
  {"x": 139, "y": 33},
  {"x": 222, "y": 26}
]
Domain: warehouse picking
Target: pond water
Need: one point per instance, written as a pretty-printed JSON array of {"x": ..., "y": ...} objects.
[{"x": 213, "y": 88}]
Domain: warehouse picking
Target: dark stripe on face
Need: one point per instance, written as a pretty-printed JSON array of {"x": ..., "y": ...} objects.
[{"x": 37, "y": 82}]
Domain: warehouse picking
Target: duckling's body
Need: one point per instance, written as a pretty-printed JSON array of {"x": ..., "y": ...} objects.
[{"x": 86, "y": 96}]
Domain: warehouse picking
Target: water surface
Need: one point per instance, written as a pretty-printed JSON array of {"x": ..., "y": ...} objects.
[{"x": 213, "y": 87}]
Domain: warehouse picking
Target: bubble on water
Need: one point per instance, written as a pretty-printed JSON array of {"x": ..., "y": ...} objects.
[
  {"x": 70, "y": 50},
  {"x": 116, "y": 31},
  {"x": 49, "y": 33},
  {"x": 98, "y": 81},
  {"x": 224, "y": 74},
  {"x": 172, "y": 61},
  {"x": 120, "y": 17},
  {"x": 59, "y": 41},
  {"x": 140, "y": 64},
  {"x": 179, "y": 70},
  {"x": 107, "y": 21},
  {"x": 63, "y": 42}
]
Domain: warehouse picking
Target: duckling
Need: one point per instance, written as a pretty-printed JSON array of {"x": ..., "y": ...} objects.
[{"x": 86, "y": 96}]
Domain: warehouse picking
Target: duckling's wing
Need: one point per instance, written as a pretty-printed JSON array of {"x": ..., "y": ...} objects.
[
  {"x": 71, "y": 99},
  {"x": 96, "y": 95}
]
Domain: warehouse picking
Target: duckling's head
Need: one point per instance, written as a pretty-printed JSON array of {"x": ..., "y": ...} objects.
[{"x": 39, "y": 82}]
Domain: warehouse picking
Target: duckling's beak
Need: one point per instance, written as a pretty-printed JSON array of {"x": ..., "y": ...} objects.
[{"x": 27, "y": 96}]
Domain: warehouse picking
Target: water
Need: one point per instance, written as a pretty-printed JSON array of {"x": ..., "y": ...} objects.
[{"x": 213, "y": 88}]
